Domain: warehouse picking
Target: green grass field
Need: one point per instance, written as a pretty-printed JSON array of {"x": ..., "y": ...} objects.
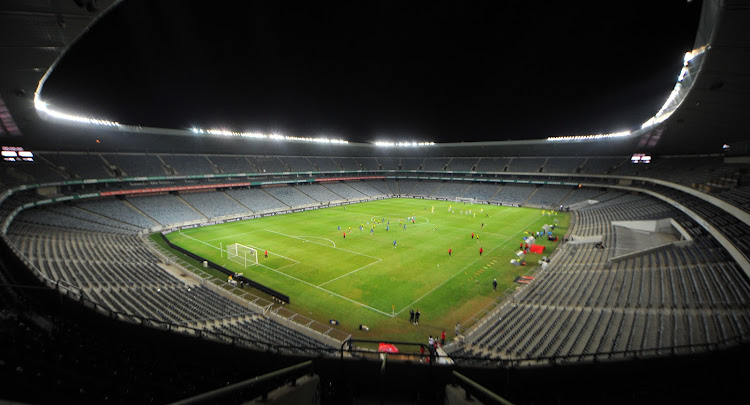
[{"x": 360, "y": 279}]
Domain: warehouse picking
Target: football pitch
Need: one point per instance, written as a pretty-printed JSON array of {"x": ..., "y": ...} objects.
[{"x": 364, "y": 278}]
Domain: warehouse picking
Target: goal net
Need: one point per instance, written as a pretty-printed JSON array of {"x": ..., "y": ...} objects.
[
  {"x": 241, "y": 254},
  {"x": 465, "y": 200}
]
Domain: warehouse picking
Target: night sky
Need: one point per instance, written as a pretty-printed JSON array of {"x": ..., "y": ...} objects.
[{"x": 445, "y": 71}]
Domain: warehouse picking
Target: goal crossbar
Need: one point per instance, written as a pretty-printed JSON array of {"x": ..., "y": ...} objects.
[{"x": 241, "y": 254}]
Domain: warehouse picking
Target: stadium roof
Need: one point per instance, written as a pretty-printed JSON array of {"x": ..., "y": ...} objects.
[{"x": 527, "y": 53}]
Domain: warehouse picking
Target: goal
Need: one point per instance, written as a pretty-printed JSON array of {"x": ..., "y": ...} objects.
[
  {"x": 241, "y": 254},
  {"x": 465, "y": 200}
]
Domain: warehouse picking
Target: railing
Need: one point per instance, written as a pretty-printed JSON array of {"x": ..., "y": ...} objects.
[
  {"x": 472, "y": 388},
  {"x": 255, "y": 387}
]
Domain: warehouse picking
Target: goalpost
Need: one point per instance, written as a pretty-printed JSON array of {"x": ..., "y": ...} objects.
[
  {"x": 465, "y": 200},
  {"x": 241, "y": 254}
]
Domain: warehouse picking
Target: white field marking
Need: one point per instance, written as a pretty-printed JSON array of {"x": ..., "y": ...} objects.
[
  {"x": 305, "y": 282},
  {"x": 317, "y": 237},
  {"x": 257, "y": 249},
  {"x": 317, "y": 243},
  {"x": 351, "y": 272},
  {"x": 232, "y": 236},
  {"x": 464, "y": 268},
  {"x": 330, "y": 292}
]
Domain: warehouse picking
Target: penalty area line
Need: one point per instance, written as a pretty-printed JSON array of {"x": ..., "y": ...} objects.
[
  {"x": 351, "y": 272},
  {"x": 307, "y": 283},
  {"x": 328, "y": 291}
]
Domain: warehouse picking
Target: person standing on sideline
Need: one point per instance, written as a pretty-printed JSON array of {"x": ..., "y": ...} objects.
[
  {"x": 494, "y": 284},
  {"x": 481, "y": 250},
  {"x": 416, "y": 317},
  {"x": 442, "y": 338},
  {"x": 457, "y": 330},
  {"x": 411, "y": 315}
]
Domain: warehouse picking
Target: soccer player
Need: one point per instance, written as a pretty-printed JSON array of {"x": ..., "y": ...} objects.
[
  {"x": 372, "y": 231},
  {"x": 436, "y": 227},
  {"x": 266, "y": 252},
  {"x": 350, "y": 229},
  {"x": 481, "y": 250},
  {"x": 394, "y": 243},
  {"x": 344, "y": 235},
  {"x": 386, "y": 228},
  {"x": 482, "y": 225},
  {"x": 404, "y": 226},
  {"x": 450, "y": 251},
  {"x": 339, "y": 227},
  {"x": 472, "y": 235},
  {"x": 477, "y": 238}
]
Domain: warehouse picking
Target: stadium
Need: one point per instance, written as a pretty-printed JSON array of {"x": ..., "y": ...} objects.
[{"x": 145, "y": 263}]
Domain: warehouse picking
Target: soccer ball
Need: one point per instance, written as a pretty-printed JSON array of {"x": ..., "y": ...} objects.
[{"x": 438, "y": 265}]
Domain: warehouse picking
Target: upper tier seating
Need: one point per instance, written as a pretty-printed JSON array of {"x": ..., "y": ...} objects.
[
  {"x": 562, "y": 165},
  {"x": 137, "y": 165},
  {"x": 84, "y": 166},
  {"x": 233, "y": 164},
  {"x": 525, "y": 164},
  {"x": 492, "y": 164},
  {"x": 189, "y": 164},
  {"x": 462, "y": 164},
  {"x": 435, "y": 164},
  {"x": 324, "y": 164},
  {"x": 298, "y": 164},
  {"x": 269, "y": 164}
]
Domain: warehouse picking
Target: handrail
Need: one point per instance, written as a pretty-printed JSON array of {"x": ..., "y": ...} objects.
[
  {"x": 254, "y": 384},
  {"x": 473, "y": 388}
]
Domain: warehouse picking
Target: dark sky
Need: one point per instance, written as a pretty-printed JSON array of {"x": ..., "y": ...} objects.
[{"x": 397, "y": 70}]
